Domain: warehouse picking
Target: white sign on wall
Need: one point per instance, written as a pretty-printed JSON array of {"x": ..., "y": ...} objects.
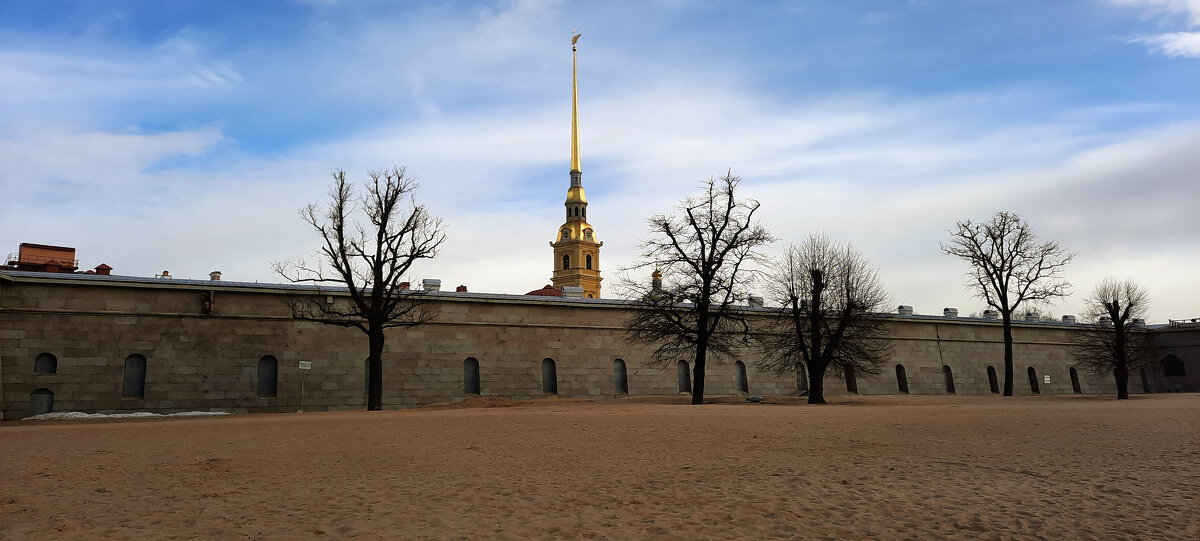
[
  {"x": 1046, "y": 378},
  {"x": 307, "y": 365}
]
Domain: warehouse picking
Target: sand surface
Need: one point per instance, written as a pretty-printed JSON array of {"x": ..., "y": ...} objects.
[{"x": 904, "y": 467}]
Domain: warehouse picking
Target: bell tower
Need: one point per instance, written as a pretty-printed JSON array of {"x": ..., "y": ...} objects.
[{"x": 576, "y": 248}]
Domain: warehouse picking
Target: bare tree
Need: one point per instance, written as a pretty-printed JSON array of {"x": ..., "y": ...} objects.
[
  {"x": 704, "y": 253},
  {"x": 1009, "y": 267},
  {"x": 1110, "y": 339},
  {"x": 369, "y": 260},
  {"x": 830, "y": 319}
]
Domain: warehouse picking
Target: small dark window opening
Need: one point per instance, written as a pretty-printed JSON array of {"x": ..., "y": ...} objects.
[
  {"x": 1075, "y": 381},
  {"x": 1033, "y": 381},
  {"x": 851, "y": 380},
  {"x": 134, "y": 384},
  {"x": 45, "y": 363},
  {"x": 620, "y": 377},
  {"x": 471, "y": 376},
  {"x": 948, "y": 376},
  {"x": 589, "y": 261},
  {"x": 566, "y": 261},
  {"x": 992, "y": 381},
  {"x": 683, "y": 376},
  {"x": 549, "y": 376},
  {"x": 268, "y": 376},
  {"x": 1173, "y": 367},
  {"x": 41, "y": 401},
  {"x": 743, "y": 386},
  {"x": 901, "y": 378}
]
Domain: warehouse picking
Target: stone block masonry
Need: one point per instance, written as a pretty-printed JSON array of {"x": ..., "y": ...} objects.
[{"x": 125, "y": 344}]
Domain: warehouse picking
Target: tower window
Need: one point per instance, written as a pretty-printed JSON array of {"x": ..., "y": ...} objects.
[
  {"x": 587, "y": 234},
  {"x": 566, "y": 234},
  {"x": 566, "y": 261},
  {"x": 589, "y": 261}
]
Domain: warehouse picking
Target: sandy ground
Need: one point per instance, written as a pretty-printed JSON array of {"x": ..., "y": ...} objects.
[{"x": 905, "y": 467}]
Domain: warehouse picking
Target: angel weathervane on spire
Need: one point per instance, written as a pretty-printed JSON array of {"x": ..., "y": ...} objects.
[{"x": 574, "y": 37}]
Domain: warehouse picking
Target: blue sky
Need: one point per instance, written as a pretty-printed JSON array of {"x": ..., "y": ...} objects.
[{"x": 184, "y": 135}]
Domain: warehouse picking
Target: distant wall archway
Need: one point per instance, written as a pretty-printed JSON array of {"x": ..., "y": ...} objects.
[
  {"x": 45, "y": 363},
  {"x": 1172, "y": 367},
  {"x": 743, "y": 386},
  {"x": 471, "y": 376},
  {"x": 1075, "y": 381},
  {"x": 851, "y": 380},
  {"x": 993, "y": 382},
  {"x": 134, "y": 382},
  {"x": 268, "y": 376},
  {"x": 1034, "y": 387},
  {"x": 549, "y": 376},
  {"x": 41, "y": 401},
  {"x": 683, "y": 376},
  {"x": 901, "y": 379},
  {"x": 948, "y": 379},
  {"x": 620, "y": 377}
]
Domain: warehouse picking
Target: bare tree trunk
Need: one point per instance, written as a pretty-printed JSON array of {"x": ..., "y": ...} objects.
[
  {"x": 816, "y": 382},
  {"x": 1008, "y": 354},
  {"x": 375, "y": 370},
  {"x": 1121, "y": 373},
  {"x": 698, "y": 373}
]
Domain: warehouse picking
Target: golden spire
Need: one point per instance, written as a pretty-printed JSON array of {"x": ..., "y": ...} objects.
[{"x": 575, "y": 166}]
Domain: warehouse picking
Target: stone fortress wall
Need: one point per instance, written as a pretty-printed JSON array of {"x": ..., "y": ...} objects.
[{"x": 78, "y": 342}]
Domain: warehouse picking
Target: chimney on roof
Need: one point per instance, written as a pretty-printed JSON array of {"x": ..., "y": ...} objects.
[
  {"x": 755, "y": 301},
  {"x": 460, "y": 289},
  {"x": 1068, "y": 318},
  {"x": 1031, "y": 316},
  {"x": 431, "y": 284},
  {"x": 214, "y": 275},
  {"x": 165, "y": 274},
  {"x": 904, "y": 310},
  {"x": 573, "y": 291},
  {"x": 405, "y": 286},
  {"x": 950, "y": 312},
  {"x": 103, "y": 270},
  {"x": 1139, "y": 321}
]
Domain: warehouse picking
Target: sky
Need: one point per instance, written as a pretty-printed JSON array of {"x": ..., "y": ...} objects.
[{"x": 185, "y": 136}]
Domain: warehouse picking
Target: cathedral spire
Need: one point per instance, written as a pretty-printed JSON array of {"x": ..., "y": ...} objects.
[
  {"x": 576, "y": 249},
  {"x": 575, "y": 163}
]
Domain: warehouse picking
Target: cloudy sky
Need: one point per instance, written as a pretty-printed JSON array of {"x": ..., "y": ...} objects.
[{"x": 185, "y": 135}]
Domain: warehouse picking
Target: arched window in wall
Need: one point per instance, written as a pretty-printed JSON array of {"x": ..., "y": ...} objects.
[
  {"x": 901, "y": 379},
  {"x": 566, "y": 261},
  {"x": 134, "y": 384},
  {"x": 1172, "y": 367},
  {"x": 683, "y": 376},
  {"x": 589, "y": 261},
  {"x": 41, "y": 401},
  {"x": 993, "y": 382},
  {"x": 851, "y": 380},
  {"x": 620, "y": 377},
  {"x": 1075, "y": 381},
  {"x": 743, "y": 386},
  {"x": 549, "y": 376},
  {"x": 45, "y": 363},
  {"x": 268, "y": 376},
  {"x": 948, "y": 379},
  {"x": 1033, "y": 381},
  {"x": 471, "y": 376}
]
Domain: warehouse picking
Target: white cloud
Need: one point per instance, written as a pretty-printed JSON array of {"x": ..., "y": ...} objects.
[
  {"x": 1190, "y": 8},
  {"x": 1186, "y": 44}
]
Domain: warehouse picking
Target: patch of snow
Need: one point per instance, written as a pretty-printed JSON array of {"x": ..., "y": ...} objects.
[{"x": 80, "y": 416}]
